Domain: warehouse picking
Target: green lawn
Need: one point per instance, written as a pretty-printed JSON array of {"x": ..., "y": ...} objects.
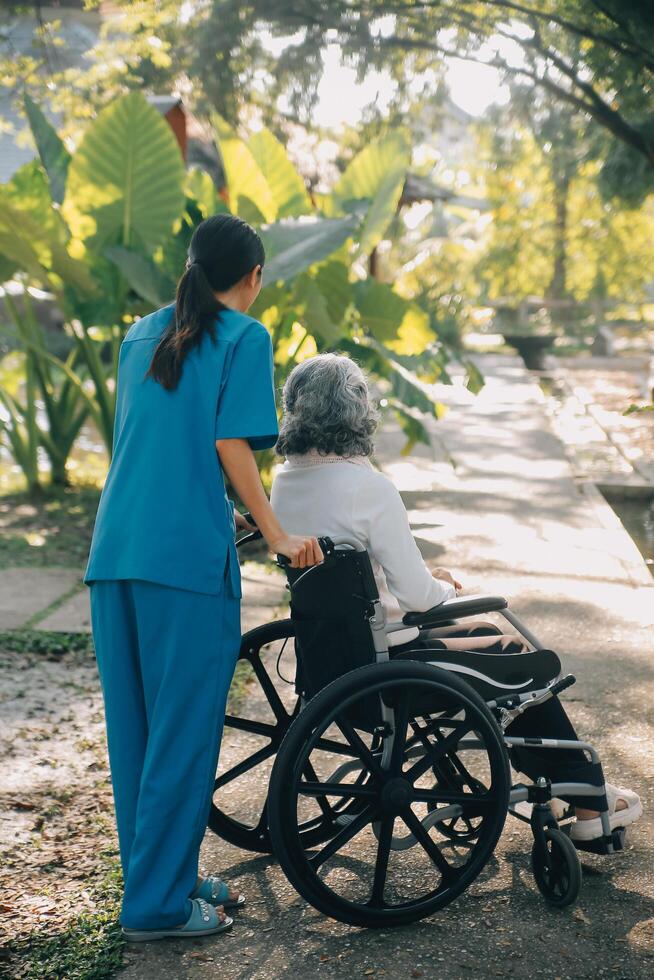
[{"x": 53, "y": 529}]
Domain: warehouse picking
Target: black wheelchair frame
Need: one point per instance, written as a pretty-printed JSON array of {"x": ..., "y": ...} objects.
[{"x": 388, "y": 743}]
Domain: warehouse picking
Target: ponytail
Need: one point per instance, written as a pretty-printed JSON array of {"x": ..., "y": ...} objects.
[{"x": 223, "y": 249}]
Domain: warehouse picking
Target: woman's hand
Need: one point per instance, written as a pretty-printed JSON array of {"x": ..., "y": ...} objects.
[
  {"x": 446, "y": 576},
  {"x": 237, "y": 461},
  {"x": 301, "y": 551},
  {"x": 241, "y": 523}
]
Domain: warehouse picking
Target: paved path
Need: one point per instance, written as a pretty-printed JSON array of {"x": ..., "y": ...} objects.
[
  {"x": 55, "y": 598},
  {"x": 496, "y": 501}
]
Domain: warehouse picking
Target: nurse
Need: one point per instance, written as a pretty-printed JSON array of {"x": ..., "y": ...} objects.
[{"x": 195, "y": 397}]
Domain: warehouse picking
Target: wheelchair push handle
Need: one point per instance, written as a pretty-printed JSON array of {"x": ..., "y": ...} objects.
[
  {"x": 563, "y": 684},
  {"x": 250, "y": 535}
]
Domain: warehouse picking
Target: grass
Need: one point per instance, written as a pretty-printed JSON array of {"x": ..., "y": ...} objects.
[
  {"x": 45, "y": 642},
  {"x": 53, "y": 528},
  {"x": 89, "y": 948}
]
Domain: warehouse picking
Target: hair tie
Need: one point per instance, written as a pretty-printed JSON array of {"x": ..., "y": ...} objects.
[{"x": 190, "y": 262}]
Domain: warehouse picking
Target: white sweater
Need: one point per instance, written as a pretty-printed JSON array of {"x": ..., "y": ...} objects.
[{"x": 348, "y": 498}]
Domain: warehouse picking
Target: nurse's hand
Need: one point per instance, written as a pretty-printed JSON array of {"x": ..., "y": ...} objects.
[
  {"x": 302, "y": 552},
  {"x": 242, "y": 524}
]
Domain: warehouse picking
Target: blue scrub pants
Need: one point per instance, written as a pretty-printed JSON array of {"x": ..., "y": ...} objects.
[{"x": 166, "y": 658}]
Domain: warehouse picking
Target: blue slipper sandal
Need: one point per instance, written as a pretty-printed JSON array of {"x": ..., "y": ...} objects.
[
  {"x": 215, "y": 891},
  {"x": 203, "y": 921}
]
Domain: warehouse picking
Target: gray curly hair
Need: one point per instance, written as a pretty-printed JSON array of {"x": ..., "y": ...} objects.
[{"x": 327, "y": 407}]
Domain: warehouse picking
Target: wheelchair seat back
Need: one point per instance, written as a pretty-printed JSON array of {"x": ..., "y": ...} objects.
[{"x": 331, "y": 606}]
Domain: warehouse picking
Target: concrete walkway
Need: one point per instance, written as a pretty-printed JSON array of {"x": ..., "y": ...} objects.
[
  {"x": 496, "y": 502},
  {"x": 55, "y": 598}
]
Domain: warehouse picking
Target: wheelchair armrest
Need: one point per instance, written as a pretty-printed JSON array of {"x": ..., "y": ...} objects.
[{"x": 456, "y": 609}]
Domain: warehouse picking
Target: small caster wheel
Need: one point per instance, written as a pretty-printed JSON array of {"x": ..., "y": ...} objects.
[{"x": 558, "y": 875}]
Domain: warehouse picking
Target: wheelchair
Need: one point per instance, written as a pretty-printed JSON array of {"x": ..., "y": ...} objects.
[{"x": 381, "y": 784}]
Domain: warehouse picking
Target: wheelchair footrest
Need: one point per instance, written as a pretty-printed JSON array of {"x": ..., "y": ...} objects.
[
  {"x": 523, "y": 811},
  {"x": 603, "y": 845}
]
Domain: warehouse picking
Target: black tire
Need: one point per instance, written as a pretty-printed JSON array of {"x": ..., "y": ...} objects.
[
  {"x": 251, "y": 832},
  {"x": 235, "y": 816},
  {"x": 557, "y": 875},
  {"x": 388, "y": 793}
]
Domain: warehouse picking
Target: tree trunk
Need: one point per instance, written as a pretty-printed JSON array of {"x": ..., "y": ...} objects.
[
  {"x": 557, "y": 285},
  {"x": 373, "y": 264}
]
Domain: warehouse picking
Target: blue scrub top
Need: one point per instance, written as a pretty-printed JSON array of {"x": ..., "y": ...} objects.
[{"x": 164, "y": 515}]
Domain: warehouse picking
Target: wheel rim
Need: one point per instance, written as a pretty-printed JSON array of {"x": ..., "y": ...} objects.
[
  {"x": 251, "y": 739},
  {"x": 392, "y": 810},
  {"x": 557, "y": 875},
  {"x": 252, "y": 734},
  {"x": 453, "y": 774}
]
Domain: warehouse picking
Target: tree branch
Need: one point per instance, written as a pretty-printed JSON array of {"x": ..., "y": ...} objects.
[
  {"x": 585, "y": 32},
  {"x": 630, "y": 47},
  {"x": 600, "y": 110},
  {"x": 596, "y": 108}
]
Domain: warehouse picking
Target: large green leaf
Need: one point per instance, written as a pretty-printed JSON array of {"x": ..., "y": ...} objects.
[
  {"x": 381, "y": 309},
  {"x": 250, "y": 195},
  {"x": 370, "y": 168},
  {"x": 376, "y": 174},
  {"x": 286, "y": 185},
  {"x": 107, "y": 305},
  {"x": 54, "y": 155},
  {"x": 125, "y": 182},
  {"x": 143, "y": 275},
  {"x": 8, "y": 269},
  {"x": 296, "y": 244},
  {"x": 312, "y": 311},
  {"x": 200, "y": 186},
  {"x": 35, "y": 249},
  {"x": 334, "y": 281},
  {"x": 404, "y": 384},
  {"x": 412, "y": 425},
  {"x": 29, "y": 191},
  {"x": 382, "y": 210}
]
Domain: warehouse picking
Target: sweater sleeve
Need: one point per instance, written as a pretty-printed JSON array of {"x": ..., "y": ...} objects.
[{"x": 380, "y": 513}]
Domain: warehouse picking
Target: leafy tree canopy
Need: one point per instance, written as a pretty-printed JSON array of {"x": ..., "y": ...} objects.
[{"x": 595, "y": 56}]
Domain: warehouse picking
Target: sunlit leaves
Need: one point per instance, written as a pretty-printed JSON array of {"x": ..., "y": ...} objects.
[
  {"x": 52, "y": 152},
  {"x": 30, "y": 245},
  {"x": 296, "y": 244},
  {"x": 313, "y": 311},
  {"x": 286, "y": 186},
  {"x": 249, "y": 193},
  {"x": 375, "y": 175},
  {"x": 145, "y": 277},
  {"x": 125, "y": 181}
]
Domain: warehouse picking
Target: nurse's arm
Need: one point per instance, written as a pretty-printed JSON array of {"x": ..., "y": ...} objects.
[{"x": 238, "y": 462}]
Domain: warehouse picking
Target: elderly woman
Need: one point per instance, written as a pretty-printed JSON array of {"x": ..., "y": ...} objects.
[{"x": 328, "y": 486}]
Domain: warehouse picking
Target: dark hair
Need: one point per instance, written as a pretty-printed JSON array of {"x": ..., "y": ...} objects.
[{"x": 223, "y": 249}]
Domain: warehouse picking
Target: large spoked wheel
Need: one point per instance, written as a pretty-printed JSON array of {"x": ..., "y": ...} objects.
[
  {"x": 557, "y": 868},
  {"x": 390, "y": 861},
  {"x": 266, "y": 704}
]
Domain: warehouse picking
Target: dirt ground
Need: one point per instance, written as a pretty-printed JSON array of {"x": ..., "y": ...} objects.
[
  {"x": 57, "y": 822},
  {"x": 56, "y": 817}
]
